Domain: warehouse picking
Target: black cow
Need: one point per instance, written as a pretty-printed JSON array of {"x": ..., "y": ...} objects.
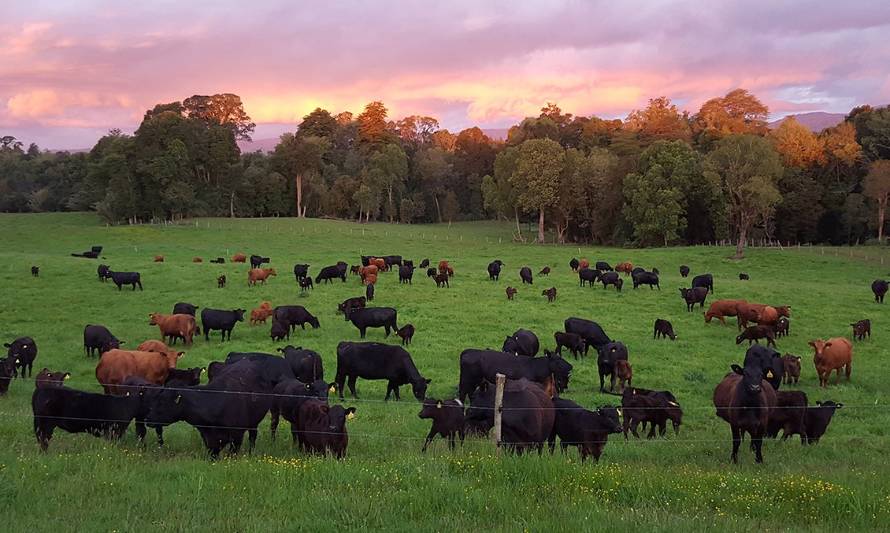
[
  {"x": 572, "y": 341},
  {"x": 369, "y": 292},
  {"x": 589, "y": 276},
  {"x": 374, "y": 317},
  {"x": 588, "y": 430},
  {"x": 24, "y": 351},
  {"x": 35, "y": 271},
  {"x": 183, "y": 308},
  {"x": 636, "y": 270},
  {"x": 743, "y": 276},
  {"x": 289, "y": 395},
  {"x": 271, "y": 368},
  {"x": 525, "y": 273},
  {"x": 218, "y": 260},
  {"x": 589, "y": 330},
  {"x": 650, "y": 407},
  {"x": 522, "y": 342},
  {"x": 424, "y": 263},
  {"x": 7, "y": 372},
  {"x": 98, "y": 340},
  {"x": 603, "y": 266},
  {"x": 745, "y": 400},
  {"x": 279, "y": 331},
  {"x": 695, "y": 295},
  {"x": 405, "y": 273},
  {"x": 349, "y": 304},
  {"x": 607, "y": 357},
  {"x": 494, "y": 270},
  {"x": 817, "y": 419},
  {"x": 305, "y": 284},
  {"x": 448, "y": 420},
  {"x": 612, "y": 278},
  {"x": 301, "y": 271},
  {"x": 81, "y": 412},
  {"x": 104, "y": 273},
  {"x": 321, "y": 428},
  {"x": 528, "y": 414},
  {"x": 372, "y": 360},
  {"x": 431, "y": 272},
  {"x": 704, "y": 280},
  {"x": 256, "y": 261},
  {"x": 879, "y": 287},
  {"x": 754, "y": 333},
  {"x": 664, "y": 329},
  {"x": 646, "y": 278},
  {"x": 392, "y": 260},
  {"x": 184, "y": 377},
  {"x": 330, "y": 273},
  {"x": 294, "y": 315},
  {"x": 126, "y": 278},
  {"x": 684, "y": 271},
  {"x": 218, "y": 319},
  {"x": 789, "y": 416},
  {"x": 769, "y": 360},
  {"x": 574, "y": 264},
  {"x": 306, "y": 365},
  {"x": 477, "y": 366}
]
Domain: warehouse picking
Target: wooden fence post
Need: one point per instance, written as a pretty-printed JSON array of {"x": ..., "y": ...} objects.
[{"x": 498, "y": 406}]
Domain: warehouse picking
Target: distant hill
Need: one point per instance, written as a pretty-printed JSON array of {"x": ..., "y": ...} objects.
[
  {"x": 263, "y": 145},
  {"x": 815, "y": 121},
  {"x": 496, "y": 134}
]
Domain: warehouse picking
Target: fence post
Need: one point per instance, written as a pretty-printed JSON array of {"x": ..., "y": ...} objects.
[{"x": 498, "y": 406}]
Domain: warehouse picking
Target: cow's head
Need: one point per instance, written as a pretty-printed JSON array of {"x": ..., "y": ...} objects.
[
  {"x": 153, "y": 319},
  {"x": 611, "y": 418},
  {"x": 752, "y": 377},
  {"x": 313, "y": 321},
  {"x": 819, "y": 346},
  {"x": 240, "y": 314},
  {"x": 431, "y": 408},
  {"x": 561, "y": 370},
  {"x": 419, "y": 386}
]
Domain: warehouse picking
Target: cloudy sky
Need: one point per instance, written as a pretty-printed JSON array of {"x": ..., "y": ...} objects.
[{"x": 72, "y": 69}]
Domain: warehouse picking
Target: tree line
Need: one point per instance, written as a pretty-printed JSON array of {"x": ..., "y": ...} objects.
[{"x": 658, "y": 177}]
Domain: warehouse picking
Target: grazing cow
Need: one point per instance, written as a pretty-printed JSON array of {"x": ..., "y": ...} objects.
[
  {"x": 646, "y": 278},
  {"x": 611, "y": 278},
  {"x": 289, "y": 395},
  {"x": 572, "y": 341},
  {"x": 704, "y": 280},
  {"x": 117, "y": 365},
  {"x": 656, "y": 272},
  {"x": 301, "y": 271},
  {"x": 126, "y": 278},
  {"x": 98, "y": 340},
  {"x": 525, "y": 274},
  {"x": 584, "y": 263},
  {"x": 770, "y": 361},
  {"x": 590, "y": 331},
  {"x": 295, "y": 315},
  {"x": 544, "y": 271},
  {"x": 589, "y": 276},
  {"x": 522, "y": 342},
  {"x": 184, "y": 308},
  {"x": 588, "y": 430},
  {"x": 374, "y": 317},
  {"x": 743, "y": 276},
  {"x": 280, "y": 330},
  {"x": 663, "y": 329},
  {"x": 424, "y": 263},
  {"x": 92, "y": 254},
  {"x": 259, "y": 274},
  {"x": 879, "y": 287},
  {"x": 833, "y": 354},
  {"x": 77, "y": 411},
  {"x": 221, "y": 320},
  {"x": 35, "y": 271},
  {"x": 817, "y": 418},
  {"x": 511, "y": 292},
  {"x": 791, "y": 368},
  {"x": 260, "y": 314},
  {"x": 372, "y": 360},
  {"x": 221, "y": 282},
  {"x": 431, "y": 272},
  {"x": 607, "y": 361},
  {"x": 218, "y": 260},
  {"x": 573, "y": 264},
  {"x": 24, "y": 351},
  {"x": 684, "y": 271},
  {"x": 722, "y": 309},
  {"x": 159, "y": 259},
  {"x": 441, "y": 280},
  {"x": 322, "y": 428},
  {"x": 7, "y": 373},
  {"x": 406, "y": 273},
  {"x": 306, "y": 365},
  {"x": 494, "y": 270},
  {"x": 256, "y": 261},
  {"x": 550, "y": 294},
  {"x": 406, "y": 333},
  {"x": 745, "y": 400},
  {"x": 477, "y": 366},
  {"x": 788, "y": 416},
  {"x": 448, "y": 420},
  {"x": 861, "y": 329},
  {"x": 329, "y": 273},
  {"x": 104, "y": 273},
  {"x": 349, "y": 304},
  {"x": 625, "y": 374},
  {"x": 650, "y": 407},
  {"x": 603, "y": 266},
  {"x": 197, "y": 260},
  {"x": 369, "y": 292},
  {"x": 626, "y": 268},
  {"x": 782, "y": 327},
  {"x": 174, "y": 326},
  {"x": 46, "y": 379},
  {"x": 239, "y": 258},
  {"x": 528, "y": 414},
  {"x": 754, "y": 333}
]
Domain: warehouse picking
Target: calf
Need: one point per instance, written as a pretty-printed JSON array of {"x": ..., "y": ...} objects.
[
  {"x": 441, "y": 280},
  {"x": 589, "y": 276},
  {"x": 295, "y": 315},
  {"x": 743, "y": 276},
  {"x": 448, "y": 420},
  {"x": 23, "y": 351},
  {"x": 424, "y": 263},
  {"x": 833, "y": 354},
  {"x": 791, "y": 365},
  {"x": 280, "y": 330},
  {"x": 259, "y": 274},
  {"x": 126, "y": 278},
  {"x": 782, "y": 327},
  {"x": 197, "y": 260},
  {"x": 789, "y": 415},
  {"x": 607, "y": 362},
  {"x": 646, "y": 278},
  {"x": 663, "y": 329},
  {"x": 861, "y": 329},
  {"x": 494, "y": 270},
  {"x": 35, "y": 271},
  {"x": 603, "y": 266},
  {"x": 77, "y": 411},
  {"x": 695, "y": 295},
  {"x": 46, "y": 379},
  {"x": 174, "y": 326},
  {"x": 184, "y": 308},
  {"x": 222, "y": 320},
  {"x": 572, "y": 341},
  {"x": 406, "y": 333},
  {"x": 817, "y": 418},
  {"x": 239, "y": 258},
  {"x": 544, "y": 271},
  {"x": 329, "y": 273},
  {"x": 369, "y": 292},
  {"x": 305, "y": 284},
  {"x": 104, "y": 273},
  {"x": 260, "y": 314},
  {"x": 431, "y": 272},
  {"x": 159, "y": 259},
  {"x": 650, "y": 407},
  {"x": 301, "y": 271},
  {"x": 684, "y": 271},
  {"x": 374, "y": 317},
  {"x": 406, "y": 273},
  {"x": 511, "y": 292},
  {"x": 354, "y": 269},
  {"x": 625, "y": 374},
  {"x": 349, "y": 304},
  {"x": 626, "y": 268},
  {"x": 525, "y": 274},
  {"x": 611, "y": 278},
  {"x": 322, "y": 428},
  {"x": 588, "y": 430},
  {"x": 98, "y": 340},
  {"x": 550, "y": 294},
  {"x": 7, "y": 373},
  {"x": 754, "y": 333},
  {"x": 290, "y": 394},
  {"x": 221, "y": 282},
  {"x": 879, "y": 287},
  {"x": 745, "y": 400},
  {"x": 573, "y": 264}
]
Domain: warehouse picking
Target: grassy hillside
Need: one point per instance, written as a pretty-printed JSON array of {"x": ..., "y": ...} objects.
[{"x": 681, "y": 482}]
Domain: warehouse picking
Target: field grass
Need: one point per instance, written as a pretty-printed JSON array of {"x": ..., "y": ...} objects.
[{"x": 681, "y": 482}]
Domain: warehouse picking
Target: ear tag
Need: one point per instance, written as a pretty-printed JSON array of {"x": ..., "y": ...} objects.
[
  {"x": 769, "y": 374},
  {"x": 350, "y": 416},
  {"x": 332, "y": 389}
]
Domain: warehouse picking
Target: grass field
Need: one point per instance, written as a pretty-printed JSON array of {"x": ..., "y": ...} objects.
[{"x": 682, "y": 482}]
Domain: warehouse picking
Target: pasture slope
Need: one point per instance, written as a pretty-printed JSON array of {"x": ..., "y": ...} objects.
[{"x": 682, "y": 482}]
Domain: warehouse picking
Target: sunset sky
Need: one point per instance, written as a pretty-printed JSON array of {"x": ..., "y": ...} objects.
[{"x": 72, "y": 69}]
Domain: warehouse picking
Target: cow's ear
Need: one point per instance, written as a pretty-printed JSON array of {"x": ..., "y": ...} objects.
[
  {"x": 798, "y": 358},
  {"x": 332, "y": 388},
  {"x": 428, "y": 381},
  {"x": 350, "y": 413},
  {"x": 811, "y": 343},
  {"x": 179, "y": 354},
  {"x": 66, "y": 376},
  {"x": 828, "y": 344},
  {"x": 838, "y": 405},
  {"x": 7, "y": 345},
  {"x": 737, "y": 369}
]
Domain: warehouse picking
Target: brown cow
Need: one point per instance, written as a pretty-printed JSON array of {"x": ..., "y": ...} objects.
[
  {"x": 174, "y": 326},
  {"x": 443, "y": 266},
  {"x": 584, "y": 263},
  {"x": 768, "y": 316},
  {"x": 833, "y": 354},
  {"x": 259, "y": 274},
  {"x": 379, "y": 263},
  {"x": 153, "y": 346},
  {"x": 626, "y": 267},
  {"x": 260, "y": 315},
  {"x": 511, "y": 292},
  {"x": 792, "y": 368},
  {"x": 750, "y": 312},
  {"x": 197, "y": 260},
  {"x": 239, "y": 258},
  {"x": 370, "y": 279},
  {"x": 744, "y": 399},
  {"x": 159, "y": 259},
  {"x": 117, "y": 365},
  {"x": 550, "y": 294},
  {"x": 370, "y": 270},
  {"x": 721, "y": 309},
  {"x": 625, "y": 374}
]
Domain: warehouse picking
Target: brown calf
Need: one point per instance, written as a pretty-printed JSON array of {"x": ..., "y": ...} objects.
[
  {"x": 259, "y": 274},
  {"x": 159, "y": 259},
  {"x": 550, "y": 294},
  {"x": 792, "y": 368},
  {"x": 174, "y": 326},
  {"x": 511, "y": 292},
  {"x": 239, "y": 258}
]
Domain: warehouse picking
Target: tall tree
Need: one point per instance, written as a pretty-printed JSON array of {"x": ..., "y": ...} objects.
[
  {"x": 872, "y": 131},
  {"x": 747, "y": 169},
  {"x": 738, "y": 112},
  {"x": 300, "y": 158},
  {"x": 538, "y": 169},
  {"x": 223, "y": 109},
  {"x": 798, "y": 146},
  {"x": 877, "y": 187},
  {"x": 842, "y": 152},
  {"x": 433, "y": 170},
  {"x": 318, "y": 123},
  {"x": 660, "y": 120},
  {"x": 417, "y": 130},
  {"x": 372, "y": 126},
  {"x": 387, "y": 169}
]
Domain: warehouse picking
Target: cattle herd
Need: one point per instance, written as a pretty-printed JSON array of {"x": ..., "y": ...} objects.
[{"x": 144, "y": 386}]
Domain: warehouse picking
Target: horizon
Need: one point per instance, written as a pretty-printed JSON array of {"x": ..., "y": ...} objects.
[{"x": 71, "y": 73}]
